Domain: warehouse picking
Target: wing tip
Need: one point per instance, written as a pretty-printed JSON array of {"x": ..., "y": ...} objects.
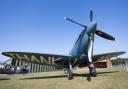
[
  {"x": 122, "y": 52},
  {"x": 3, "y": 53}
]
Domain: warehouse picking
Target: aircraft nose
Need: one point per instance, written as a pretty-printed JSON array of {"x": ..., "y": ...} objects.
[
  {"x": 91, "y": 27},
  {"x": 94, "y": 24}
]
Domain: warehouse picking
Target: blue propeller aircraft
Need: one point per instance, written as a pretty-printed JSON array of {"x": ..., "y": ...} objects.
[{"x": 80, "y": 56}]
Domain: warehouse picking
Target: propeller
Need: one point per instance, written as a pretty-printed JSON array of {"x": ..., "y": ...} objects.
[
  {"x": 90, "y": 48},
  {"x": 91, "y": 41},
  {"x": 104, "y": 35},
  {"x": 91, "y": 15},
  {"x": 66, "y": 18},
  {"x": 91, "y": 35},
  {"x": 91, "y": 38}
]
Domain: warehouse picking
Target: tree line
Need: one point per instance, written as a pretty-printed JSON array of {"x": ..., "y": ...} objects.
[{"x": 119, "y": 61}]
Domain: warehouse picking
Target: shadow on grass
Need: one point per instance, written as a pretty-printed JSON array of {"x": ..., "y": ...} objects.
[
  {"x": 1, "y": 79},
  {"x": 75, "y": 75},
  {"x": 107, "y": 72},
  {"x": 46, "y": 77}
]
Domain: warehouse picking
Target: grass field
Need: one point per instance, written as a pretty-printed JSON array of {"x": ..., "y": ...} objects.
[{"x": 106, "y": 79}]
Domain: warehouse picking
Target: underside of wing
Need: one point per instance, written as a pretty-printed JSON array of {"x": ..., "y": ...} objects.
[
  {"x": 105, "y": 56},
  {"x": 40, "y": 58}
]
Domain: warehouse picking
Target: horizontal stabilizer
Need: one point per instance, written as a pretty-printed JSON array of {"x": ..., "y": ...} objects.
[{"x": 105, "y": 35}]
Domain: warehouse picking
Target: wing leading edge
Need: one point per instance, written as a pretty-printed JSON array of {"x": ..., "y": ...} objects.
[
  {"x": 105, "y": 56},
  {"x": 56, "y": 60},
  {"x": 40, "y": 58}
]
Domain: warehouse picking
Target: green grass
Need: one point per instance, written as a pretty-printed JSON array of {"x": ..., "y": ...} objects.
[{"x": 107, "y": 79}]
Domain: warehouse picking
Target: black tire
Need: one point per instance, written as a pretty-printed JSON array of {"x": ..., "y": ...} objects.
[
  {"x": 69, "y": 75},
  {"x": 93, "y": 72},
  {"x": 7, "y": 67}
]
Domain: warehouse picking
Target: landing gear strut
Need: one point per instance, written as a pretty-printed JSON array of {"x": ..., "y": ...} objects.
[{"x": 70, "y": 72}]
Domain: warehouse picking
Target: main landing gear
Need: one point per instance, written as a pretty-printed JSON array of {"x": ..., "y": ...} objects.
[
  {"x": 70, "y": 72},
  {"x": 92, "y": 71}
]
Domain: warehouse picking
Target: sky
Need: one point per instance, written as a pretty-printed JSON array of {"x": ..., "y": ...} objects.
[{"x": 39, "y": 25}]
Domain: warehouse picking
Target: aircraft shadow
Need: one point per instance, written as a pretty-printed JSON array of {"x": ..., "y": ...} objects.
[
  {"x": 107, "y": 72},
  {"x": 75, "y": 75},
  {"x": 1, "y": 79},
  {"x": 46, "y": 77}
]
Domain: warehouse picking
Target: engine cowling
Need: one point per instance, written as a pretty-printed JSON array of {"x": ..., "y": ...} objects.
[{"x": 82, "y": 58}]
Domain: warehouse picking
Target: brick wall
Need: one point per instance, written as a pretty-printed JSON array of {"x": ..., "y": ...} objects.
[{"x": 103, "y": 64}]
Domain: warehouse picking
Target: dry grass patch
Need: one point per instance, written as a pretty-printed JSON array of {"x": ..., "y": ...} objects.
[{"x": 107, "y": 79}]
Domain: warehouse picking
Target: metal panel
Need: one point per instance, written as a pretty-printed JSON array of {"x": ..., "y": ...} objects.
[
  {"x": 45, "y": 68},
  {"x": 20, "y": 63},
  {"x": 42, "y": 68},
  {"x": 33, "y": 67},
  {"x": 16, "y": 62},
  {"x": 30, "y": 67},
  {"x": 13, "y": 62},
  {"x": 37, "y": 68}
]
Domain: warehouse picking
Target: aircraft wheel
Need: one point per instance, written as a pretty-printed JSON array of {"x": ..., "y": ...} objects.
[
  {"x": 7, "y": 67},
  {"x": 70, "y": 75},
  {"x": 93, "y": 72}
]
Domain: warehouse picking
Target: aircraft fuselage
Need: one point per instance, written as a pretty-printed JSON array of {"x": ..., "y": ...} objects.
[{"x": 81, "y": 46}]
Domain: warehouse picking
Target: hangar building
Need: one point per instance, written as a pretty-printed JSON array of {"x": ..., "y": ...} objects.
[
  {"x": 103, "y": 64},
  {"x": 34, "y": 67}
]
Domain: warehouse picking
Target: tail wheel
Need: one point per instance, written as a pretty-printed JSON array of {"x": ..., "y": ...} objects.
[{"x": 7, "y": 67}]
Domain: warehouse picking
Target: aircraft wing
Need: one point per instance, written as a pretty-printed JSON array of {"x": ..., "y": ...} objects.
[
  {"x": 40, "y": 58},
  {"x": 101, "y": 57}
]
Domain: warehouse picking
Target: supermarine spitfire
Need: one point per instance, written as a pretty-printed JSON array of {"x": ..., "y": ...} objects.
[{"x": 81, "y": 54}]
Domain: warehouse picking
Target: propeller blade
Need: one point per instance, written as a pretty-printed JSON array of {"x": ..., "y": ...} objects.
[
  {"x": 90, "y": 54},
  {"x": 90, "y": 49},
  {"x": 104, "y": 35},
  {"x": 75, "y": 22},
  {"x": 91, "y": 15}
]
